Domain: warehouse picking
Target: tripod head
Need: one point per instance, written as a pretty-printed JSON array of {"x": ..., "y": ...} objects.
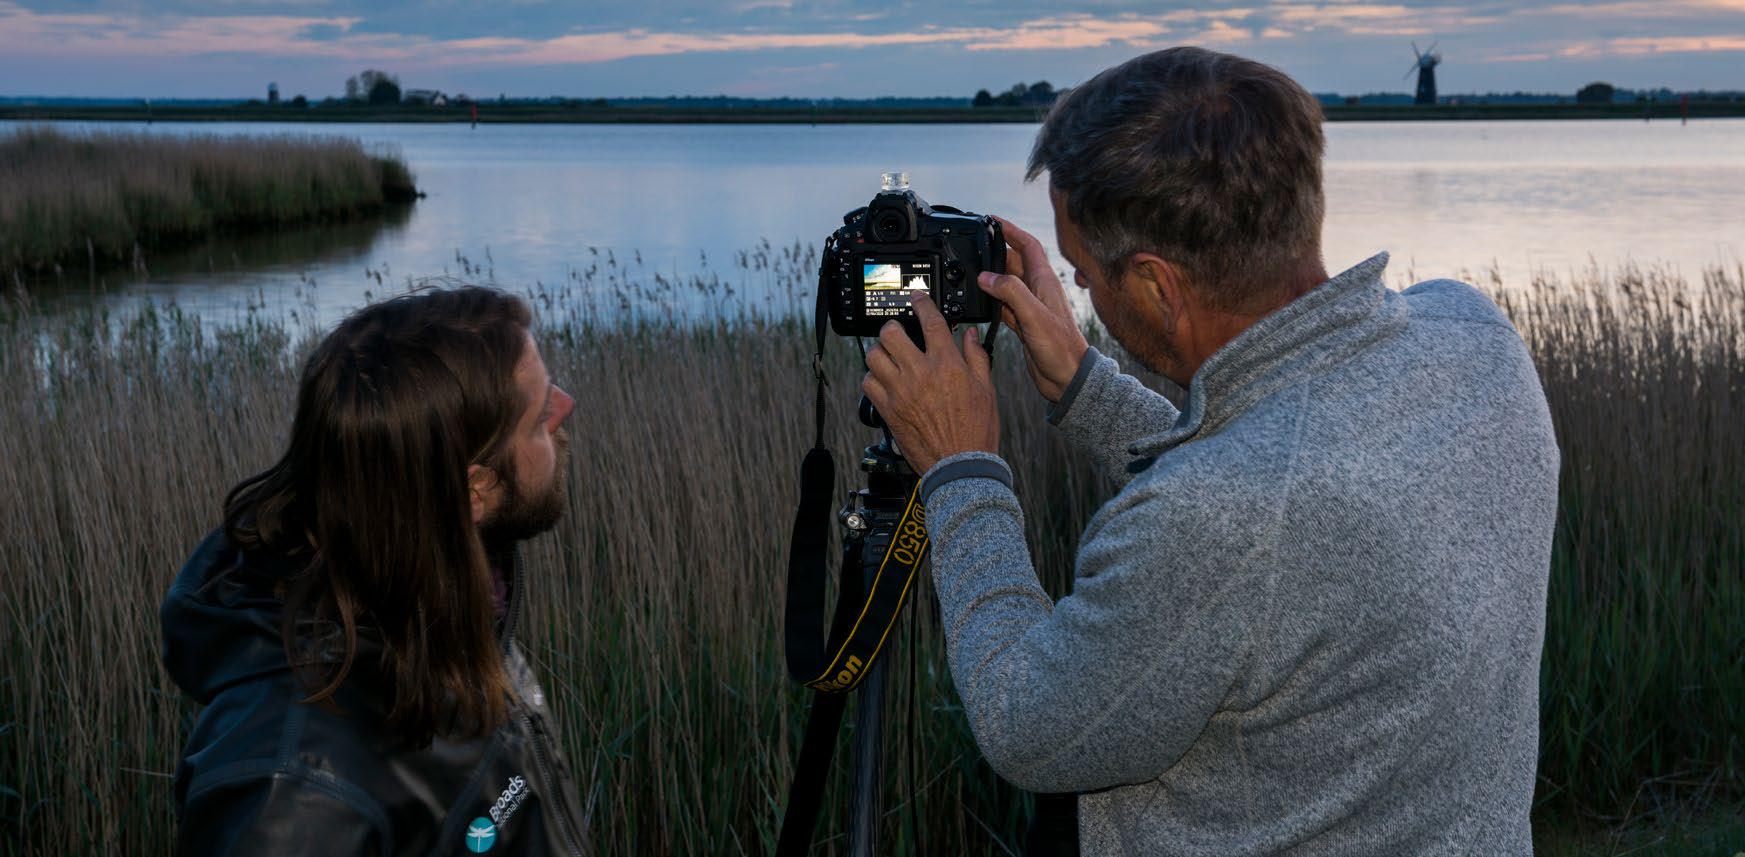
[
  {"x": 883, "y": 459},
  {"x": 869, "y": 415}
]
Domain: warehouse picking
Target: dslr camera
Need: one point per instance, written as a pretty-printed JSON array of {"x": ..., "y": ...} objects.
[{"x": 897, "y": 245}]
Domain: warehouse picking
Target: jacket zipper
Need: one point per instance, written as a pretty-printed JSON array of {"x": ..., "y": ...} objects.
[
  {"x": 511, "y": 617},
  {"x": 545, "y": 770}
]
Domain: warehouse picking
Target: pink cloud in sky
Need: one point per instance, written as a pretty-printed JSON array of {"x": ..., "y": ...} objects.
[
  {"x": 87, "y": 35},
  {"x": 75, "y": 36},
  {"x": 1066, "y": 33},
  {"x": 1644, "y": 45},
  {"x": 1222, "y": 32},
  {"x": 1072, "y": 32},
  {"x": 66, "y": 36},
  {"x": 1376, "y": 19},
  {"x": 1660, "y": 9}
]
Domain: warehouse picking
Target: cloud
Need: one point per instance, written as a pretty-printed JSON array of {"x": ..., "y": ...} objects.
[
  {"x": 666, "y": 46},
  {"x": 95, "y": 36},
  {"x": 323, "y": 32},
  {"x": 1520, "y": 57},
  {"x": 1645, "y": 45},
  {"x": 1640, "y": 9},
  {"x": 1377, "y": 19},
  {"x": 1070, "y": 33},
  {"x": 1221, "y": 32},
  {"x": 69, "y": 35}
]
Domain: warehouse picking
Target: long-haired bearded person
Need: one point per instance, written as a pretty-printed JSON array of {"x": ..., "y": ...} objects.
[{"x": 350, "y": 628}]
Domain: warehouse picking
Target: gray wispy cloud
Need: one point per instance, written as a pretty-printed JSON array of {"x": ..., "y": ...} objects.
[{"x": 853, "y": 47}]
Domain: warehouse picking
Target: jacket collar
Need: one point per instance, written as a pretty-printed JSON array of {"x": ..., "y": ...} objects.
[
  {"x": 1331, "y": 322},
  {"x": 512, "y": 615}
]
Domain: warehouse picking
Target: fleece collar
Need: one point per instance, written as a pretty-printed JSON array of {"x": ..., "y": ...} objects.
[{"x": 1333, "y": 321}]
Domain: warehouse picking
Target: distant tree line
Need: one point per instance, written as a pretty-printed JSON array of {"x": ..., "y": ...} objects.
[
  {"x": 373, "y": 86},
  {"x": 1598, "y": 92},
  {"x": 378, "y": 88},
  {"x": 1038, "y": 94}
]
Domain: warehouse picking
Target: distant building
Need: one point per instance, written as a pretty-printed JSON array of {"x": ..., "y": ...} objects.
[
  {"x": 429, "y": 97},
  {"x": 273, "y": 94}
]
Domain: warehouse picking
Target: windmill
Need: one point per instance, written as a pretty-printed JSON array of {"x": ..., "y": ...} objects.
[{"x": 1425, "y": 66}]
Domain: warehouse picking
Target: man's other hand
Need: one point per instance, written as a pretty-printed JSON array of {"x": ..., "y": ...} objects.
[
  {"x": 1036, "y": 307},
  {"x": 937, "y": 402}
]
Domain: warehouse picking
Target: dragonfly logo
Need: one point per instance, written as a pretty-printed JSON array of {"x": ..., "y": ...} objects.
[{"x": 481, "y": 835}]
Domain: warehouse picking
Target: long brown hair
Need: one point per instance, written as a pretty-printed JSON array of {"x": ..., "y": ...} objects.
[{"x": 371, "y": 500}]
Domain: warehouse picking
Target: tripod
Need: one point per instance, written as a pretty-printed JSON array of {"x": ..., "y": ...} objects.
[
  {"x": 869, "y": 522},
  {"x": 883, "y": 542}
]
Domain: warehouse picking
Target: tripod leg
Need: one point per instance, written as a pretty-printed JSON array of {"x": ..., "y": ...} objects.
[
  {"x": 811, "y": 775},
  {"x": 868, "y": 776}
]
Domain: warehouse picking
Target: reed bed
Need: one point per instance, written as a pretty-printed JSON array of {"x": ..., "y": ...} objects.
[
  {"x": 655, "y": 616},
  {"x": 100, "y": 198}
]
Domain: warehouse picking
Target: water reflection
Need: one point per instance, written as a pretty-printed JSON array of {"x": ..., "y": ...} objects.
[{"x": 204, "y": 274}]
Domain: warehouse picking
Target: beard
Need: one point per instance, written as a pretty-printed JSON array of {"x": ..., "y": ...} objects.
[
  {"x": 1153, "y": 349},
  {"x": 524, "y": 514}
]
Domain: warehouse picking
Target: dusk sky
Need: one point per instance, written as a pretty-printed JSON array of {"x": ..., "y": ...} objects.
[{"x": 848, "y": 48}]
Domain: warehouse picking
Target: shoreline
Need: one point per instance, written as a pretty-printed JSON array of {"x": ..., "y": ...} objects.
[{"x": 542, "y": 114}]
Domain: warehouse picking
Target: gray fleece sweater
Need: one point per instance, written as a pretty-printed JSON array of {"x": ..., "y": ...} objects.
[{"x": 1310, "y": 620}]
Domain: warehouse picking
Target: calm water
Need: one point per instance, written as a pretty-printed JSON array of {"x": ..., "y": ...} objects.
[{"x": 1444, "y": 198}]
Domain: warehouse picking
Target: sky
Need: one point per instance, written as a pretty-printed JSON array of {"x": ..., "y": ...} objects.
[{"x": 839, "y": 48}]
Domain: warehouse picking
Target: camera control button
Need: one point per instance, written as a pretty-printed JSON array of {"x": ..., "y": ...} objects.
[{"x": 953, "y": 271}]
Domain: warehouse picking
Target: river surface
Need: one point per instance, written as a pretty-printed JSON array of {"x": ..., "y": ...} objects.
[{"x": 532, "y": 205}]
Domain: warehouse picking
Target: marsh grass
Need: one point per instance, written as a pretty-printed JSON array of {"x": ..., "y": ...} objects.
[
  {"x": 98, "y": 198},
  {"x": 1643, "y": 681},
  {"x": 656, "y": 605}
]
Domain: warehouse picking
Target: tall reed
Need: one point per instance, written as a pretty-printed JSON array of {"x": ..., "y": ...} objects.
[
  {"x": 1642, "y": 688},
  {"x": 91, "y": 198},
  {"x": 656, "y": 605}
]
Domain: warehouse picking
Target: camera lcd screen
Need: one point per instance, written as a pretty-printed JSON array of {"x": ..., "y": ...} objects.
[{"x": 887, "y": 285}]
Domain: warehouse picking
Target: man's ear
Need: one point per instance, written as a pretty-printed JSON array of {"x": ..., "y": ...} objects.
[
  {"x": 482, "y": 488},
  {"x": 1158, "y": 280}
]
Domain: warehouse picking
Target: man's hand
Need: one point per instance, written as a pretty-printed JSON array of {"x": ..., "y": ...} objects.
[
  {"x": 1035, "y": 307},
  {"x": 939, "y": 402}
]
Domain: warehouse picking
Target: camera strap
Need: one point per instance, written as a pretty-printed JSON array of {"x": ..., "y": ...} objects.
[
  {"x": 834, "y": 664},
  {"x": 864, "y": 614}
]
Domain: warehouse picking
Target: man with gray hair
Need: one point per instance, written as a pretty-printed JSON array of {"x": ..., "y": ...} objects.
[{"x": 1310, "y": 619}]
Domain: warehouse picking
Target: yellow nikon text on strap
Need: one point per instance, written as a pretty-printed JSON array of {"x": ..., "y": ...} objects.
[{"x": 883, "y": 603}]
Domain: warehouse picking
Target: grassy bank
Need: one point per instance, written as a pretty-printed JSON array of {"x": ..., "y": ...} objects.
[
  {"x": 657, "y": 603},
  {"x": 101, "y": 198},
  {"x": 585, "y": 113}
]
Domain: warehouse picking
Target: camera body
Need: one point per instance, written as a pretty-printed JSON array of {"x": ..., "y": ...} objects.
[{"x": 898, "y": 244}]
